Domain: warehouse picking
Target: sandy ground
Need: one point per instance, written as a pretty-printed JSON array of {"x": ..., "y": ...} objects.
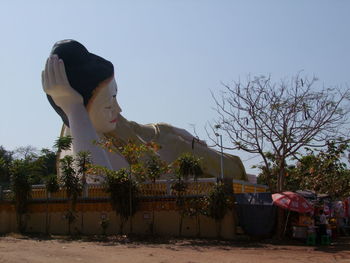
[{"x": 14, "y": 248}]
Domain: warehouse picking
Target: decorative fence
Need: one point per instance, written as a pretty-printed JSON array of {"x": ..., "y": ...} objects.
[{"x": 161, "y": 188}]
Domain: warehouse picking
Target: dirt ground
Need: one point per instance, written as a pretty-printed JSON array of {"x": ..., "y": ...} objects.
[{"x": 16, "y": 248}]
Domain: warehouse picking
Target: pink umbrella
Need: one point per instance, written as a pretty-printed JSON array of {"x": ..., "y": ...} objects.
[{"x": 292, "y": 201}]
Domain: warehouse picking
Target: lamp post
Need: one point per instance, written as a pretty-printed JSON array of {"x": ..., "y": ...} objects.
[{"x": 222, "y": 153}]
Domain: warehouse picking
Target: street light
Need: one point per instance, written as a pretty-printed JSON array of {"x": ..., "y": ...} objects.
[{"x": 222, "y": 152}]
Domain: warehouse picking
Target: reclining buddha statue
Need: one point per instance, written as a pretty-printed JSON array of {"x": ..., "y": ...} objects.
[{"x": 81, "y": 87}]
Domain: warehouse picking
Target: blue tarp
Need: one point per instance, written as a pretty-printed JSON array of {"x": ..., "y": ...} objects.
[{"x": 256, "y": 213}]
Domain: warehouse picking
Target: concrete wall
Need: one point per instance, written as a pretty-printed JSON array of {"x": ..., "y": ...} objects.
[{"x": 90, "y": 214}]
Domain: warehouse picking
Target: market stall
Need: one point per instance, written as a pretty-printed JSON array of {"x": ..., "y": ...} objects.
[{"x": 294, "y": 202}]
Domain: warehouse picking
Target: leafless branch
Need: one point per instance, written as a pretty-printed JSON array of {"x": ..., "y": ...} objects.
[{"x": 260, "y": 116}]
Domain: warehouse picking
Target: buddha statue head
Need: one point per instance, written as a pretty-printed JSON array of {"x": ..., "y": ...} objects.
[{"x": 93, "y": 78}]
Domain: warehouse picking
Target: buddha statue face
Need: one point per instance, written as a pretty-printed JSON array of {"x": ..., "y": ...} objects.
[
  {"x": 103, "y": 108},
  {"x": 93, "y": 78}
]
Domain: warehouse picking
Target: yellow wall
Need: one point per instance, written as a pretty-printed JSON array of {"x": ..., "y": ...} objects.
[
  {"x": 89, "y": 216},
  {"x": 90, "y": 211}
]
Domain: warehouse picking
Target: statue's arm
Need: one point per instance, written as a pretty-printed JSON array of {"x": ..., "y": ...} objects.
[
  {"x": 55, "y": 84},
  {"x": 187, "y": 136}
]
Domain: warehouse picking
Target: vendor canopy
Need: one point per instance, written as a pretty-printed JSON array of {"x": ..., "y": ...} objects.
[
  {"x": 292, "y": 201},
  {"x": 312, "y": 196}
]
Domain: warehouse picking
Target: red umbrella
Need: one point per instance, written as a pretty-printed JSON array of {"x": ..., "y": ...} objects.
[{"x": 292, "y": 201}]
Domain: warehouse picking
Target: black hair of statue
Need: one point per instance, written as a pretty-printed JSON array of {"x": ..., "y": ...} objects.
[{"x": 85, "y": 71}]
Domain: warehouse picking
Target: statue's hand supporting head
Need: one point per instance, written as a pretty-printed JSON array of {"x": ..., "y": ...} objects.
[
  {"x": 56, "y": 85},
  {"x": 74, "y": 77}
]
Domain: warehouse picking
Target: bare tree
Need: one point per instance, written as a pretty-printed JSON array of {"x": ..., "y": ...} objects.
[
  {"x": 277, "y": 120},
  {"x": 26, "y": 152}
]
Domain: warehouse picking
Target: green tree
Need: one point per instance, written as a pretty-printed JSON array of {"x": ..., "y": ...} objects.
[
  {"x": 72, "y": 185},
  {"x": 217, "y": 204},
  {"x": 52, "y": 186},
  {"x": 324, "y": 171},
  {"x": 63, "y": 143},
  {"x": 21, "y": 189},
  {"x": 155, "y": 167},
  {"x": 133, "y": 154},
  {"x": 39, "y": 164},
  {"x": 6, "y": 158},
  {"x": 42, "y": 165},
  {"x": 179, "y": 189},
  {"x": 117, "y": 184},
  {"x": 83, "y": 162},
  {"x": 190, "y": 166},
  {"x": 270, "y": 176},
  {"x": 185, "y": 165}
]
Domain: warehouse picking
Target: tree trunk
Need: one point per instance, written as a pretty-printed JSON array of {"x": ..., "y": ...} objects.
[
  {"x": 82, "y": 221},
  {"x": 69, "y": 225},
  {"x": 197, "y": 209},
  {"x": 47, "y": 230},
  {"x": 121, "y": 225},
  {"x": 152, "y": 223},
  {"x": 280, "y": 212},
  {"x": 280, "y": 223},
  {"x": 180, "y": 224},
  {"x": 19, "y": 222},
  {"x": 234, "y": 215},
  {"x": 130, "y": 229},
  {"x": 130, "y": 200},
  {"x": 198, "y": 224},
  {"x": 218, "y": 228},
  {"x": 281, "y": 177},
  {"x": 230, "y": 193}
]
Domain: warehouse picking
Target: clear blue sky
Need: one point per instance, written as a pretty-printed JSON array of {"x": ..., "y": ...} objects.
[{"x": 168, "y": 54}]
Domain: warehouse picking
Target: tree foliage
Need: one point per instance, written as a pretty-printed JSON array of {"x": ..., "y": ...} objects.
[
  {"x": 6, "y": 158},
  {"x": 70, "y": 179},
  {"x": 51, "y": 184},
  {"x": 117, "y": 184},
  {"x": 324, "y": 171},
  {"x": 40, "y": 164},
  {"x": 63, "y": 143},
  {"x": 188, "y": 165},
  {"x": 123, "y": 191},
  {"x": 155, "y": 167},
  {"x": 83, "y": 161},
  {"x": 21, "y": 189},
  {"x": 184, "y": 166},
  {"x": 280, "y": 119},
  {"x": 143, "y": 159},
  {"x": 217, "y": 202},
  {"x": 71, "y": 182}
]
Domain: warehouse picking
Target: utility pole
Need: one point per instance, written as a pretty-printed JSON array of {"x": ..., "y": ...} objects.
[{"x": 222, "y": 153}]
